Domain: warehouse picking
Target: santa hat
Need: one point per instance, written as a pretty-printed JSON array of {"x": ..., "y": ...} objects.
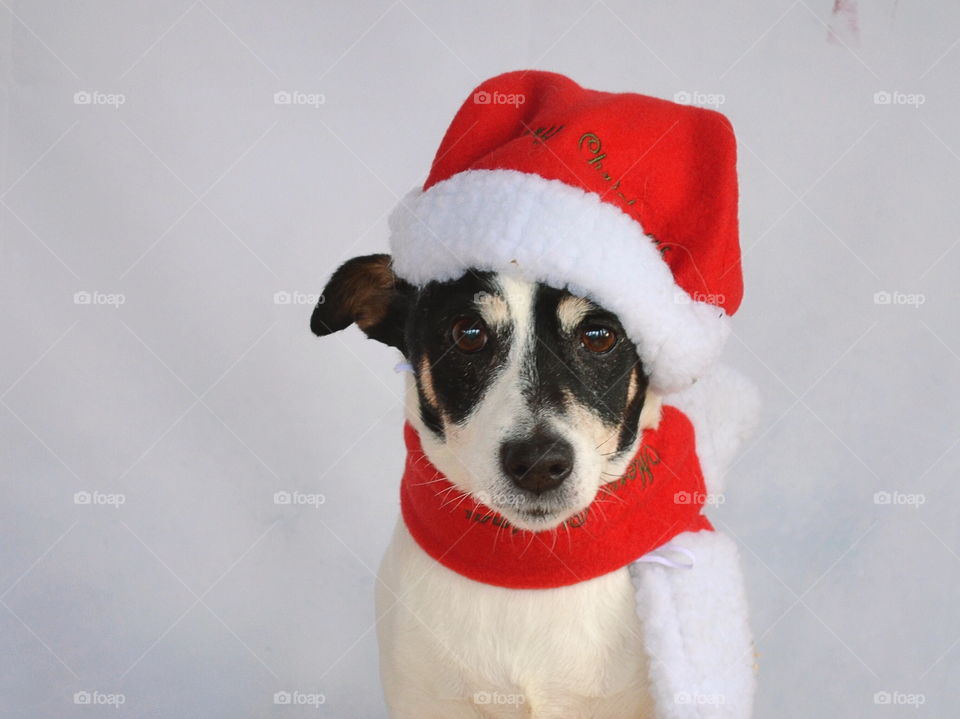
[{"x": 626, "y": 199}]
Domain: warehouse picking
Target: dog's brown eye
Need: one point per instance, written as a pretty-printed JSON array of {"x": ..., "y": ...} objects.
[
  {"x": 598, "y": 339},
  {"x": 470, "y": 334}
]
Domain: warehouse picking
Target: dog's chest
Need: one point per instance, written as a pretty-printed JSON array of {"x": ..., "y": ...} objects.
[{"x": 459, "y": 648}]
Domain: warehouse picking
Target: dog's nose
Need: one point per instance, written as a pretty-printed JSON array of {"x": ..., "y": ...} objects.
[{"x": 538, "y": 463}]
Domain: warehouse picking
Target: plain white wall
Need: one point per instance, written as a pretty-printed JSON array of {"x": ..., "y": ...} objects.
[{"x": 199, "y": 198}]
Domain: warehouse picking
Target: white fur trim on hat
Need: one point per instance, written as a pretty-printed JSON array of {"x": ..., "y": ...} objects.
[{"x": 548, "y": 231}]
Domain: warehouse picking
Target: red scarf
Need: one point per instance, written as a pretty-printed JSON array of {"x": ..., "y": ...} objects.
[{"x": 660, "y": 495}]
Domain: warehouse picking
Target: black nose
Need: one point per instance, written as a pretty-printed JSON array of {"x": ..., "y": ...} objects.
[{"x": 537, "y": 463}]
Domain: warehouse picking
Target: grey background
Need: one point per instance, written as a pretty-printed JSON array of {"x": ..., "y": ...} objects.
[{"x": 199, "y": 198}]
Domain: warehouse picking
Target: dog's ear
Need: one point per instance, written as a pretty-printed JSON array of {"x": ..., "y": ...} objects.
[{"x": 366, "y": 291}]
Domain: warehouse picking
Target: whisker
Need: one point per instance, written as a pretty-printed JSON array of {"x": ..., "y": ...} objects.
[
  {"x": 445, "y": 491},
  {"x": 496, "y": 536},
  {"x": 555, "y": 534},
  {"x": 458, "y": 496},
  {"x": 533, "y": 535},
  {"x": 421, "y": 461},
  {"x": 610, "y": 493},
  {"x": 606, "y": 440},
  {"x": 462, "y": 500},
  {"x": 431, "y": 481},
  {"x": 603, "y": 514}
]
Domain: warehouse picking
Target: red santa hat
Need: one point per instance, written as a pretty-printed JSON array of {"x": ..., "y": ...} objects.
[{"x": 626, "y": 199}]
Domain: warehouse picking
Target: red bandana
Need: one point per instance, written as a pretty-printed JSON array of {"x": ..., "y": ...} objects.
[{"x": 660, "y": 495}]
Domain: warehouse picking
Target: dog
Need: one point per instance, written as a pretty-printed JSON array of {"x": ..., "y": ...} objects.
[
  {"x": 529, "y": 400},
  {"x": 561, "y": 286}
]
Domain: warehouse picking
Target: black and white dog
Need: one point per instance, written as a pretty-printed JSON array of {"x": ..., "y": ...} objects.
[
  {"x": 532, "y": 399},
  {"x": 561, "y": 287}
]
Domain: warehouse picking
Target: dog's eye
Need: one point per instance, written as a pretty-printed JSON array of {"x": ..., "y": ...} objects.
[
  {"x": 470, "y": 334},
  {"x": 598, "y": 339}
]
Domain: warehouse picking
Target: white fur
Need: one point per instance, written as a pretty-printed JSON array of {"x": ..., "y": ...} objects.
[
  {"x": 674, "y": 644},
  {"x": 548, "y": 231},
  {"x": 447, "y": 643}
]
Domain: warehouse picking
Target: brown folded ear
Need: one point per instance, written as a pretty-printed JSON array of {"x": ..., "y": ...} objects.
[{"x": 365, "y": 291}]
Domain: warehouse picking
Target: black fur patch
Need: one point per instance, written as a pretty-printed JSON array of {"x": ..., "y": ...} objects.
[
  {"x": 365, "y": 291},
  {"x": 564, "y": 369},
  {"x": 459, "y": 380}
]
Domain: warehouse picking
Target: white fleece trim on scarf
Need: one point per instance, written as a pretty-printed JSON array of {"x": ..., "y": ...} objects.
[
  {"x": 696, "y": 632},
  {"x": 723, "y": 407},
  {"x": 548, "y": 231}
]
